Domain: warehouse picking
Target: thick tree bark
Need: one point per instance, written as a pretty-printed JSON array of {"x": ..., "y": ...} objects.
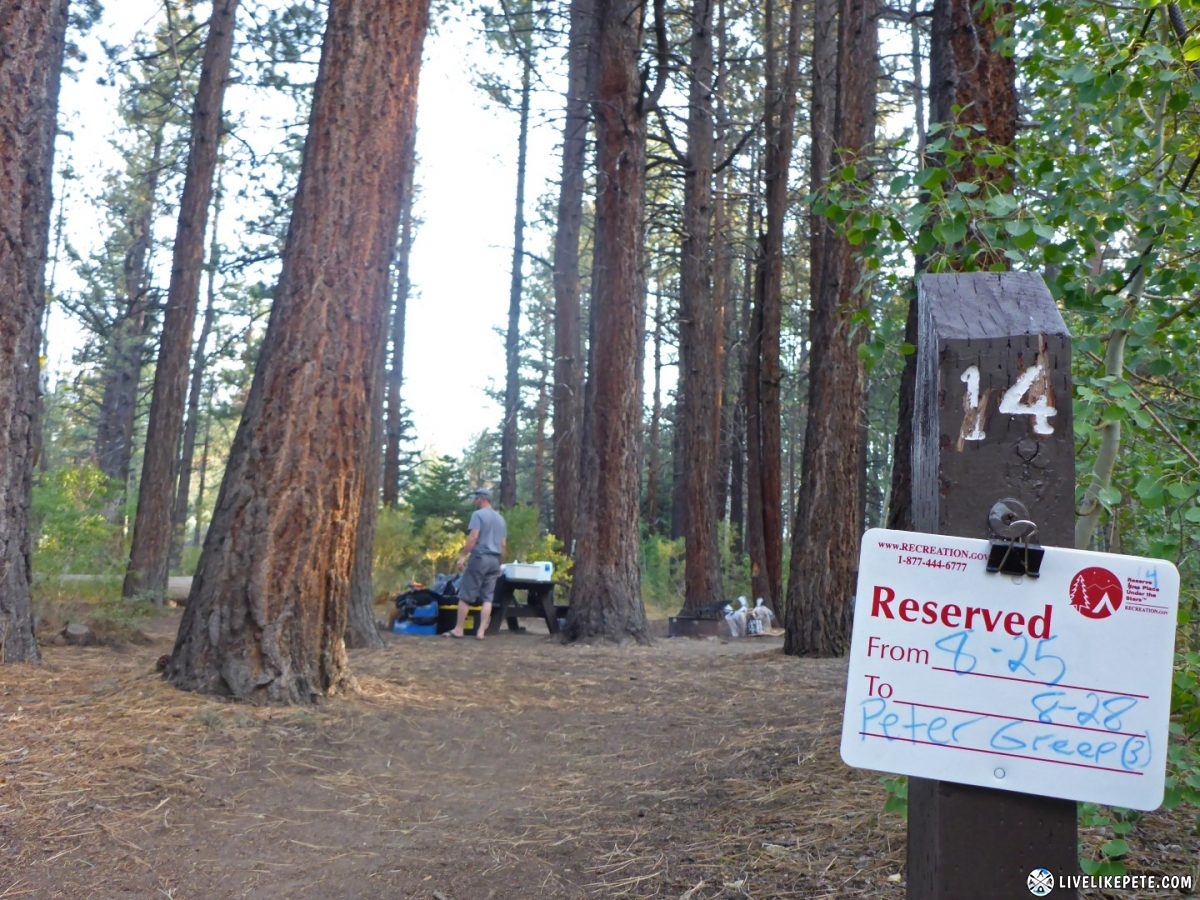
[
  {"x": 764, "y": 440},
  {"x": 512, "y": 337},
  {"x": 701, "y": 340},
  {"x": 149, "y": 556},
  {"x": 361, "y": 631},
  {"x": 568, "y": 329},
  {"x": 31, "y": 54},
  {"x": 267, "y": 613},
  {"x": 821, "y": 580},
  {"x": 606, "y": 599},
  {"x": 967, "y": 72},
  {"x": 723, "y": 279}
]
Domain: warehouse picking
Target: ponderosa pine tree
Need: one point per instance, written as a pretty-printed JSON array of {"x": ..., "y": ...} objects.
[
  {"x": 972, "y": 81},
  {"x": 606, "y": 599},
  {"x": 401, "y": 286},
  {"x": 150, "y": 552},
  {"x": 266, "y": 617},
  {"x": 821, "y": 578},
  {"x": 568, "y": 328},
  {"x": 764, "y": 373},
  {"x": 32, "y": 39},
  {"x": 121, "y": 305},
  {"x": 701, "y": 326}
]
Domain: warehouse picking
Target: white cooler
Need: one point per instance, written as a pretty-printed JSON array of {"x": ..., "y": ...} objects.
[{"x": 539, "y": 572}]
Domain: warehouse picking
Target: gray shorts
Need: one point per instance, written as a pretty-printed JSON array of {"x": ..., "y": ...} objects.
[{"x": 478, "y": 584}]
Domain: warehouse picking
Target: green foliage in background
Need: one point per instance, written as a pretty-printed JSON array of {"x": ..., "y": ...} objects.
[
  {"x": 1104, "y": 202},
  {"x": 72, "y": 532},
  {"x": 440, "y": 496},
  {"x": 422, "y": 539},
  {"x": 662, "y": 575},
  {"x": 405, "y": 552},
  {"x": 527, "y": 542}
]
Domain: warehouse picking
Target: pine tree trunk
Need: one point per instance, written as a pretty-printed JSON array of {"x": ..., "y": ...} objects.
[
  {"x": 722, "y": 288},
  {"x": 701, "y": 324},
  {"x": 191, "y": 428},
  {"x": 394, "y": 418},
  {"x": 512, "y": 337},
  {"x": 606, "y": 597},
  {"x": 537, "y": 491},
  {"x": 821, "y": 581},
  {"x": 971, "y": 81},
  {"x": 654, "y": 518},
  {"x": 361, "y": 631},
  {"x": 267, "y": 614},
  {"x": 31, "y": 53},
  {"x": 126, "y": 352},
  {"x": 764, "y": 443},
  {"x": 149, "y": 556},
  {"x": 568, "y": 329}
]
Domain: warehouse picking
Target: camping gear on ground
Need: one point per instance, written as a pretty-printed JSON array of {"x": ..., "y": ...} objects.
[
  {"x": 763, "y": 616},
  {"x": 432, "y": 610},
  {"x": 736, "y": 620}
]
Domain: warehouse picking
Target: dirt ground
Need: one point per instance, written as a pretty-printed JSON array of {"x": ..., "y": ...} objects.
[{"x": 511, "y": 768}]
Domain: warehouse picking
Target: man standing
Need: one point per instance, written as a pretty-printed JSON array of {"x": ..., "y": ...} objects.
[{"x": 487, "y": 540}]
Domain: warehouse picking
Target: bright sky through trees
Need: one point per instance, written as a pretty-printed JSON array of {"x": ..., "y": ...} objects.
[{"x": 466, "y": 186}]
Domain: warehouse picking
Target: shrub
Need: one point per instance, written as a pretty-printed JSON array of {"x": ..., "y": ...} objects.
[{"x": 72, "y": 534}]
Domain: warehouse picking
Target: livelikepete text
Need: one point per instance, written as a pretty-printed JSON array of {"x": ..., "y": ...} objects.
[{"x": 884, "y": 605}]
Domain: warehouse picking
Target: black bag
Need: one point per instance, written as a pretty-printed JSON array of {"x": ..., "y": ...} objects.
[
  {"x": 446, "y": 585},
  {"x": 419, "y": 607}
]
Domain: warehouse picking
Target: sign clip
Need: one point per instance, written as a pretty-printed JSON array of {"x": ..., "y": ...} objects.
[{"x": 1012, "y": 529}]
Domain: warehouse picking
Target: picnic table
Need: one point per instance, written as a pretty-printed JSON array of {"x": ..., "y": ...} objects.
[{"x": 536, "y": 601}]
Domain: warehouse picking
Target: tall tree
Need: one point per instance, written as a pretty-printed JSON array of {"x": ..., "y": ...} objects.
[
  {"x": 512, "y": 337},
  {"x": 32, "y": 38},
  {"x": 606, "y": 599},
  {"x": 150, "y": 553},
  {"x": 568, "y": 329},
  {"x": 764, "y": 374},
  {"x": 361, "y": 632},
  {"x": 827, "y": 524},
  {"x": 972, "y": 81},
  {"x": 701, "y": 324},
  {"x": 191, "y": 428},
  {"x": 121, "y": 306},
  {"x": 266, "y": 617},
  {"x": 360, "y": 621},
  {"x": 125, "y": 352},
  {"x": 402, "y": 286}
]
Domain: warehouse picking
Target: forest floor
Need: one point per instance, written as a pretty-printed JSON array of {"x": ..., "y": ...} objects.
[{"x": 514, "y": 767}]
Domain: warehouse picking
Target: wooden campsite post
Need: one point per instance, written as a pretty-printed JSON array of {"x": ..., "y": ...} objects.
[{"x": 993, "y": 422}]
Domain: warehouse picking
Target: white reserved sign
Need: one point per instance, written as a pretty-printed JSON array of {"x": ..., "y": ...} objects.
[{"x": 1058, "y": 685}]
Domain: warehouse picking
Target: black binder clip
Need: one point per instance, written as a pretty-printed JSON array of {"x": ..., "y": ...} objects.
[{"x": 1012, "y": 551}]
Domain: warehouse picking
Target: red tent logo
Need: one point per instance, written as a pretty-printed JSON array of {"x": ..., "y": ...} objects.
[{"x": 1096, "y": 592}]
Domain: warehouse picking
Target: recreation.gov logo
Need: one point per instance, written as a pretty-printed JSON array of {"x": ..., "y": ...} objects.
[
  {"x": 1096, "y": 592},
  {"x": 1040, "y": 882}
]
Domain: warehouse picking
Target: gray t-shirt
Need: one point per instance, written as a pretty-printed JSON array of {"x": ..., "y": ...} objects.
[{"x": 492, "y": 530}]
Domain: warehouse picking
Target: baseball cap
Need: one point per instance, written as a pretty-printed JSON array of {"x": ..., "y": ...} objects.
[{"x": 482, "y": 492}]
